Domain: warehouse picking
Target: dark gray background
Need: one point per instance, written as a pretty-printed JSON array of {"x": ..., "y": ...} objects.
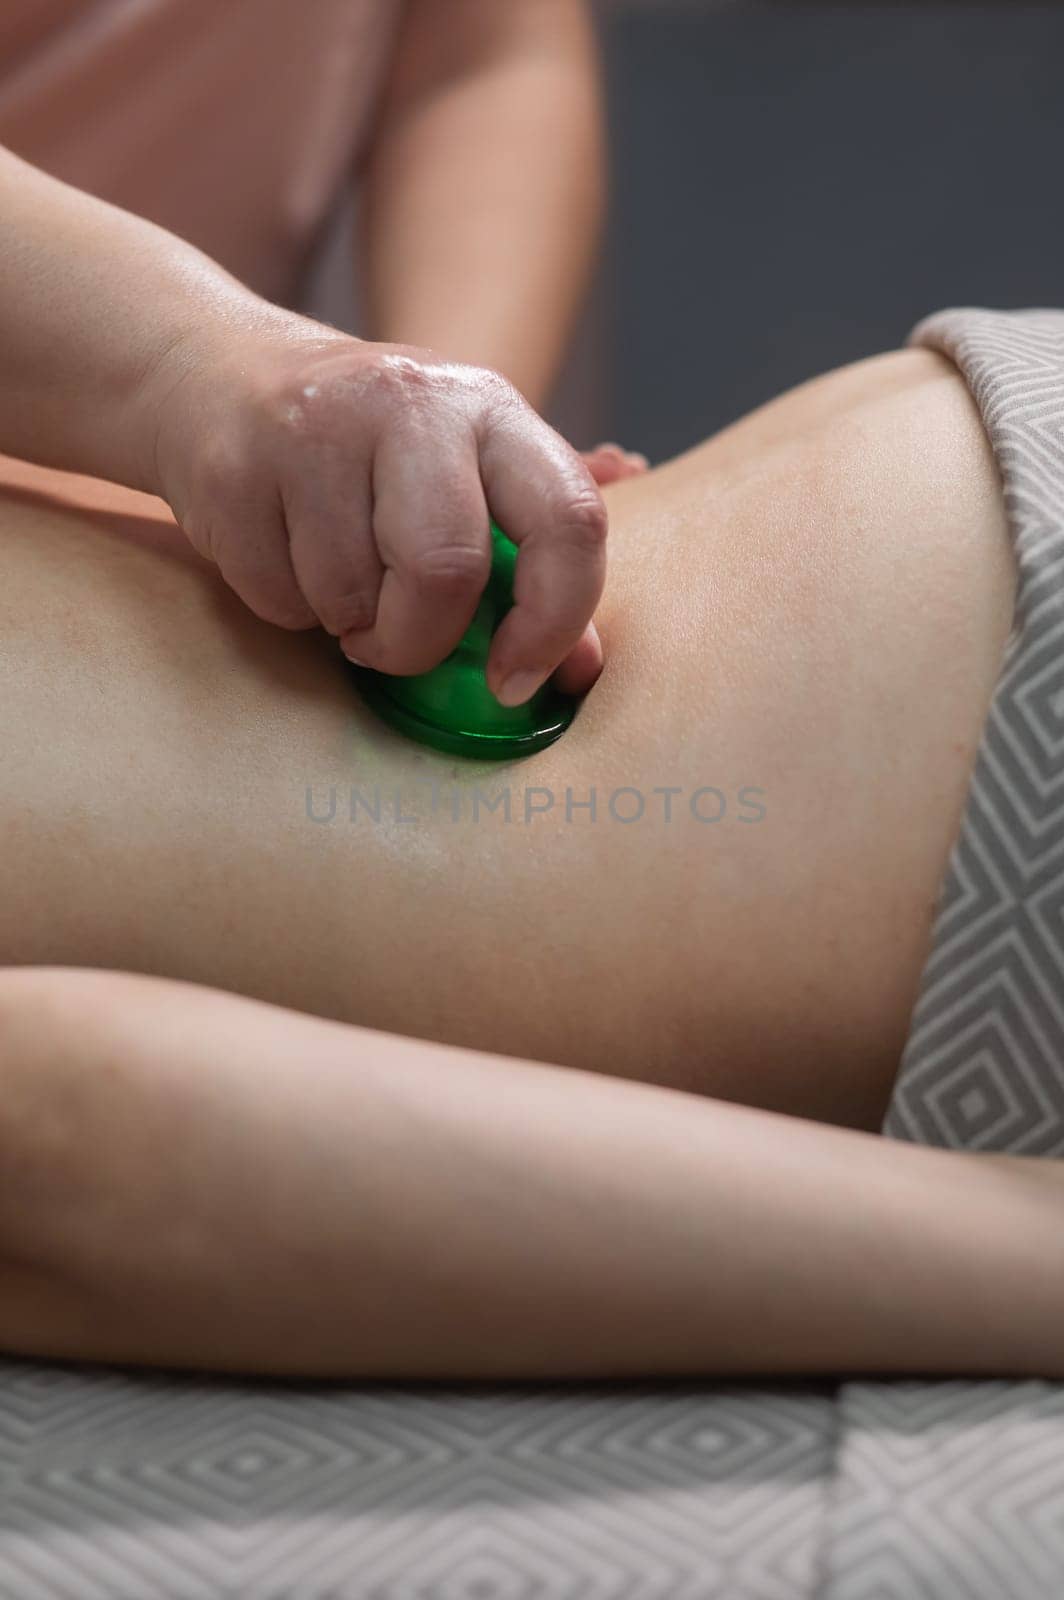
[{"x": 795, "y": 184}]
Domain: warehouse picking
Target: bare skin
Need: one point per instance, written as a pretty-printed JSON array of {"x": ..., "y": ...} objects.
[
  {"x": 329, "y": 480},
  {"x": 812, "y": 606},
  {"x": 195, "y": 1179}
]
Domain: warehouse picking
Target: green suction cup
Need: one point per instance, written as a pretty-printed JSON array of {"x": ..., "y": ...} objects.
[{"x": 451, "y": 708}]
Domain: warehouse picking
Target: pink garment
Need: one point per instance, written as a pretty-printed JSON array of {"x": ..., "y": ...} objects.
[{"x": 231, "y": 122}]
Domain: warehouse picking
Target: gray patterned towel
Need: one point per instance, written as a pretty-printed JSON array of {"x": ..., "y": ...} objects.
[{"x": 984, "y": 1062}]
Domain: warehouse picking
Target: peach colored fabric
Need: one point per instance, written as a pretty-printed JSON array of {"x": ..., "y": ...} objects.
[
  {"x": 81, "y": 493},
  {"x": 231, "y": 122}
]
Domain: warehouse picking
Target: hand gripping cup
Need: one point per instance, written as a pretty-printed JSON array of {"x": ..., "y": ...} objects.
[{"x": 451, "y": 708}]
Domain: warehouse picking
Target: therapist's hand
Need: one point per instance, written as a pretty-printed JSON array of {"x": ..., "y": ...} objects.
[{"x": 347, "y": 484}]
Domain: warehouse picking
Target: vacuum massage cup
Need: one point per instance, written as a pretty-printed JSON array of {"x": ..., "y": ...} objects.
[{"x": 451, "y": 708}]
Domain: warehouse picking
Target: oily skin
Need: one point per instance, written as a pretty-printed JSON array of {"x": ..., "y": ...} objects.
[{"x": 814, "y": 604}]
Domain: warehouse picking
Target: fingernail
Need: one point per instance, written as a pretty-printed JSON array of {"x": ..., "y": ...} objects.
[
  {"x": 355, "y": 662},
  {"x": 519, "y": 687},
  {"x": 638, "y": 459}
]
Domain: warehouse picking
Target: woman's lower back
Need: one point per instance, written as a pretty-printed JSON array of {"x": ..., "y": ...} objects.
[{"x": 723, "y": 877}]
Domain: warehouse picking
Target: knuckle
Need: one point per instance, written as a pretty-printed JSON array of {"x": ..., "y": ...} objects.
[
  {"x": 495, "y": 383},
  {"x": 498, "y": 393},
  {"x": 449, "y": 570},
  {"x": 402, "y": 381},
  {"x": 349, "y": 611},
  {"x": 290, "y": 407},
  {"x": 304, "y": 400},
  {"x": 223, "y": 465},
  {"x": 585, "y": 521},
  {"x": 404, "y": 371}
]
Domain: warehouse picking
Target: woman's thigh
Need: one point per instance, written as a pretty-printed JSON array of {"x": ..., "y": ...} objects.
[{"x": 722, "y": 877}]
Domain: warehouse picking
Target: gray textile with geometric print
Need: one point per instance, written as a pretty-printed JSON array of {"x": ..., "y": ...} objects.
[
  {"x": 984, "y": 1063},
  {"x": 163, "y": 1486}
]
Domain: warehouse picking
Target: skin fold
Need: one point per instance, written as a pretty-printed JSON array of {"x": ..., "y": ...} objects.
[{"x": 810, "y": 608}]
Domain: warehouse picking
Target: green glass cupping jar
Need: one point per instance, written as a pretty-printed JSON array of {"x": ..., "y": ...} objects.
[{"x": 451, "y": 708}]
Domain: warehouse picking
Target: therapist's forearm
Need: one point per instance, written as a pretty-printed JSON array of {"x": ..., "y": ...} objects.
[
  {"x": 485, "y": 192},
  {"x": 92, "y": 300}
]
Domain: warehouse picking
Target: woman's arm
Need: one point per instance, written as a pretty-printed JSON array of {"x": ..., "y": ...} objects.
[
  {"x": 486, "y": 184},
  {"x": 332, "y": 481},
  {"x": 189, "y": 1179},
  {"x": 92, "y": 301}
]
